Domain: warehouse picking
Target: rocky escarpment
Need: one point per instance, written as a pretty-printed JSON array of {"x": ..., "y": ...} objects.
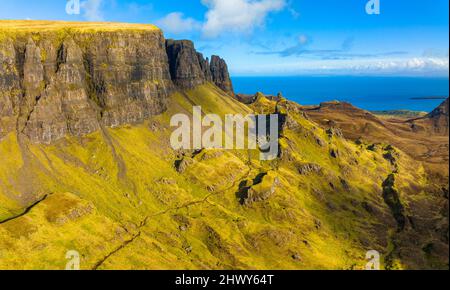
[
  {"x": 189, "y": 68},
  {"x": 63, "y": 78},
  {"x": 58, "y": 83}
]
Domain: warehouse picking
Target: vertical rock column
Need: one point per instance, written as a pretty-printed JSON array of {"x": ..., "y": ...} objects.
[
  {"x": 188, "y": 68},
  {"x": 185, "y": 67},
  {"x": 220, "y": 74}
]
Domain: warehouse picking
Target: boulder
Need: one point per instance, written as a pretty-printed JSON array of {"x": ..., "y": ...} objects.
[{"x": 263, "y": 190}]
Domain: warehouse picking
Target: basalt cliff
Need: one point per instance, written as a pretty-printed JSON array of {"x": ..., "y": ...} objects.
[
  {"x": 73, "y": 80},
  {"x": 86, "y": 165}
]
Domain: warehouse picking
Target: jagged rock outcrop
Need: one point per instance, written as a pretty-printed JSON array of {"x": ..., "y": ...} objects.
[
  {"x": 184, "y": 62},
  {"x": 246, "y": 99},
  {"x": 220, "y": 74},
  {"x": 205, "y": 67},
  {"x": 309, "y": 168},
  {"x": 335, "y": 132},
  {"x": 59, "y": 81},
  {"x": 189, "y": 68},
  {"x": 392, "y": 198},
  {"x": 262, "y": 189}
]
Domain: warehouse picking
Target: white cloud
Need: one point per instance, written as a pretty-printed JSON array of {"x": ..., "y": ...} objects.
[
  {"x": 413, "y": 65},
  {"x": 176, "y": 23},
  {"x": 92, "y": 10},
  {"x": 237, "y": 15}
]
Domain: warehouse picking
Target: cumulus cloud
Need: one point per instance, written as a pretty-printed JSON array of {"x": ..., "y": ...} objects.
[
  {"x": 237, "y": 15},
  {"x": 92, "y": 10},
  {"x": 411, "y": 65},
  {"x": 176, "y": 23}
]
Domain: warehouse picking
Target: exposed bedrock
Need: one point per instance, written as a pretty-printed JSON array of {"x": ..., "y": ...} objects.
[
  {"x": 55, "y": 83},
  {"x": 189, "y": 68}
]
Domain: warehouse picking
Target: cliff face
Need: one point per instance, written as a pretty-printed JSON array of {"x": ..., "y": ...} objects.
[
  {"x": 74, "y": 86},
  {"x": 220, "y": 75},
  {"x": 189, "y": 68},
  {"x": 185, "y": 64},
  {"x": 71, "y": 81}
]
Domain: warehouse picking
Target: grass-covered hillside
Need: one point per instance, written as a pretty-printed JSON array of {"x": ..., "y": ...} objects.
[{"x": 124, "y": 199}]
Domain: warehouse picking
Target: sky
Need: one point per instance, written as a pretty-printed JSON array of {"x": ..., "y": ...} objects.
[{"x": 283, "y": 37}]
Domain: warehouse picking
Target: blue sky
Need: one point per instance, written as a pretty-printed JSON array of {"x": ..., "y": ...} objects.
[{"x": 284, "y": 37}]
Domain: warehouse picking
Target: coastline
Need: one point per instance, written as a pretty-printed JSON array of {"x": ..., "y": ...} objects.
[{"x": 369, "y": 93}]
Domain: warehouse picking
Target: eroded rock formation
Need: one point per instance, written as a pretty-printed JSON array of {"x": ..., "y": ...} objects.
[
  {"x": 185, "y": 65},
  {"x": 73, "y": 82},
  {"x": 189, "y": 68},
  {"x": 220, "y": 74}
]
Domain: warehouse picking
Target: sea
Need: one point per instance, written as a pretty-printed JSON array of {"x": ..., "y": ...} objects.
[{"x": 369, "y": 93}]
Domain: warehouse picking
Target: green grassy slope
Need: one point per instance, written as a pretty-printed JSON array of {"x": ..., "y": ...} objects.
[{"x": 117, "y": 198}]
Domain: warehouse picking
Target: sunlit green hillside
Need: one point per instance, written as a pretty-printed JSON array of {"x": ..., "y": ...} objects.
[{"x": 122, "y": 200}]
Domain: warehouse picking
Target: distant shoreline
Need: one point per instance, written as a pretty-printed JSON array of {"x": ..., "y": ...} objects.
[{"x": 378, "y": 94}]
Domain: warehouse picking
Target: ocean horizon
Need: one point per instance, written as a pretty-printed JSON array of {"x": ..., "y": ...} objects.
[{"x": 366, "y": 92}]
